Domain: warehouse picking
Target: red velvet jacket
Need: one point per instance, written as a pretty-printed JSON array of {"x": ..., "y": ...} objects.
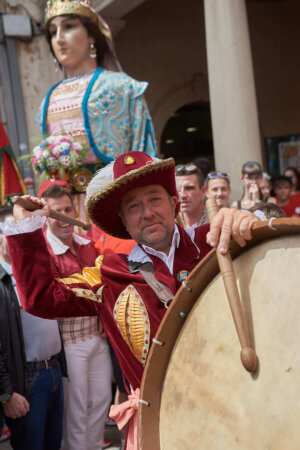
[{"x": 129, "y": 309}]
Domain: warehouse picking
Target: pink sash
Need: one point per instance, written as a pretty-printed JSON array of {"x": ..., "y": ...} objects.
[{"x": 127, "y": 412}]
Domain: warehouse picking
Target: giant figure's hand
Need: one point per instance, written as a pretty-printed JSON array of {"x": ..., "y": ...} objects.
[
  {"x": 229, "y": 223},
  {"x": 16, "y": 407},
  {"x": 21, "y": 213}
]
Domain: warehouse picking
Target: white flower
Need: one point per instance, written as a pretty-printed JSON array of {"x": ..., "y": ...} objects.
[
  {"x": 65, "y": 160},
  {"x": 52, "y": 163},
  {"x": 46, "y": 153},
  {"x": 64, "y": 145},
  {"x": 61, "y": 147},
  {"x": 52, "y": 139}
]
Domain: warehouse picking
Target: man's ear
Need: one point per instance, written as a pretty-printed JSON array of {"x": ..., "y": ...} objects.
[
  {"x": 204, "y": 191},
  {"x": 121, "y": 217},
  {"x": 175, "y": 201}
]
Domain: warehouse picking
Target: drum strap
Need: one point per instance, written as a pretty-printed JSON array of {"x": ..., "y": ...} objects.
[{"x": 162, "y": 291}]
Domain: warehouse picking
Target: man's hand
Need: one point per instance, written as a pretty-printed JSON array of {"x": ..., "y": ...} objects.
[
  {"x": 229, "y": 223},
  {"x": 16, "y": 407},
  {"x": 21, "y": 213}
]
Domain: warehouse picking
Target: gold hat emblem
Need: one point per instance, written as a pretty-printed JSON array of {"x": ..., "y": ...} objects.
[{"x": 128, "y": 160}]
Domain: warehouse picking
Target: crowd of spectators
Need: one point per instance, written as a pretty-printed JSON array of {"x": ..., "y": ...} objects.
[{"x": 258, "y": 188}]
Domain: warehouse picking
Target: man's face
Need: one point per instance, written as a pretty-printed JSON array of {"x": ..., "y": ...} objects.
[
  {"x": 219, "y": 189},
  {"x": 190, "y": 194},
  {"x": 62, "y": 230},
  {"x": 148, "y": 214},
  {"x": 282, "y": 191}
]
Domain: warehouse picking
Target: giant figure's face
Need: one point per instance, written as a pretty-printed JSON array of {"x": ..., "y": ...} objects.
[
  {"x": 70, "y": 42},
  {"x": 148, "y": 214}
]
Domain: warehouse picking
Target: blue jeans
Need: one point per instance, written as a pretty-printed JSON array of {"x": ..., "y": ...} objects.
[{"x": 41, "y": 428}]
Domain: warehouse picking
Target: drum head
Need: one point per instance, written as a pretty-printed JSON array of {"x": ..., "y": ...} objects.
[{"x": 208, "y": 400}]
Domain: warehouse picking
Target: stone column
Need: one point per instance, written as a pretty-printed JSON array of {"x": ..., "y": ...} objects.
[{"x": 231, "y": 86}]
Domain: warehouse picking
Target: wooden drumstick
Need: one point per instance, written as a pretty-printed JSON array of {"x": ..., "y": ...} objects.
[
  {"x": 248, "y": 355},
  {"x": 31, "y": 206}
]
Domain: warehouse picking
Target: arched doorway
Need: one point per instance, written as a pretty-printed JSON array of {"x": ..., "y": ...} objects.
[{"x": 188, "y": 134}]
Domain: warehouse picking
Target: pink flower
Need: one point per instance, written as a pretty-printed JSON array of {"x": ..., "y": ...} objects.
[
  {"x": 39, "y": 153},
  {"x": 33, "y": 161},
  {"x": 65, "y": 139},
  {"x": 51, "y": 146}
]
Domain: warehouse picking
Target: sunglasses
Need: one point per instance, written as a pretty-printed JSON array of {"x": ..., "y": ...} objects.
[
  {"x": 185, "y": 168},
  {"x": 253, "y": 165},
  {"x": 212, "y": 175}
]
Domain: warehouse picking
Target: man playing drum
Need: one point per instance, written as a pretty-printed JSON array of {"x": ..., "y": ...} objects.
[{"x": 133, "y": 197}]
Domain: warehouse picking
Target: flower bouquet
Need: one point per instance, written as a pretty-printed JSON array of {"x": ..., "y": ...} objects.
[{"x": 56, "y": 155}]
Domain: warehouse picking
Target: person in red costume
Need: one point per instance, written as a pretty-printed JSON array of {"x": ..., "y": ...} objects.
[
  {"x": 87, "y": 391},
  {"x": 133, "y": 197}
]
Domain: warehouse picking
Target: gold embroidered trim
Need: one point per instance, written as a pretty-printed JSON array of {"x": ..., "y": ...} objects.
[
  {"x": 86, "y": 293},
  {"x": 132, "y": 318},
  {"x": 56, "y": 116},
  {"x": 90, "y": 275}
]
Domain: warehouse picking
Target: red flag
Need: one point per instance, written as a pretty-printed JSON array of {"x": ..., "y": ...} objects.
[{"x": 11, "y": 181}]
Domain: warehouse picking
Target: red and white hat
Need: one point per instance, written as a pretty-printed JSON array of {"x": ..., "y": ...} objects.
[
  {"x": 48, "y": 183},
  {"x": 129, "y": 171}
]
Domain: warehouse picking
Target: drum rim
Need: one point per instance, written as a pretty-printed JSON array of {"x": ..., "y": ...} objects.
[{"x": 159, "y": 356}]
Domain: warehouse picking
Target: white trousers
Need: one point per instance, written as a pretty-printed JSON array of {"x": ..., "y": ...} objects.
[{"x": 87, "y": 394}]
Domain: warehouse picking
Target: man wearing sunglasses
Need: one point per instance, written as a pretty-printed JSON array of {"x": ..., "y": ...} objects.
[
  {"x": 218, "y": 187},
  {"x": 191, "y": 189}
]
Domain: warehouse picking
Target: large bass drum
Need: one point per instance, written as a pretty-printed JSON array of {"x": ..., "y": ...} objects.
[{"x": 199, "y": 394}]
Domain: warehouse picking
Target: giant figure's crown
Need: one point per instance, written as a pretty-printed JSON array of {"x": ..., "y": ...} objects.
[{"x": 81, "y": 7}]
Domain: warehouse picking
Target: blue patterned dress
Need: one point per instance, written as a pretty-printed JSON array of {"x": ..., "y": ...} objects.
[{"x": 111, "y": 114}]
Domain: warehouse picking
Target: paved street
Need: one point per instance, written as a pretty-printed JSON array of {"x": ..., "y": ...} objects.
[{"x": 111, "y": 433}]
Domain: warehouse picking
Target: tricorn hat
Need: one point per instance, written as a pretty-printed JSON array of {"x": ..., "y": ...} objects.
[{"x": 129, "y": 171}]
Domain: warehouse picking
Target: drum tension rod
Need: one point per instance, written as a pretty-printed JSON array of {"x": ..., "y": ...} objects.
[
  {"x": 248, "y": 355},
  {"x": 143, "y": 402},
  {"x": 155, "y": 341},
  {"x": 270, "y": 223},
  {"x": 186, "y": 287}
]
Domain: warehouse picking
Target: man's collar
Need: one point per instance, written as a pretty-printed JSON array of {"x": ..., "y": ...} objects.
[
  {"x": 174, "y": 244},
  {"x": 58, "y": 247},
  {"x": 138, "y": 254}
]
